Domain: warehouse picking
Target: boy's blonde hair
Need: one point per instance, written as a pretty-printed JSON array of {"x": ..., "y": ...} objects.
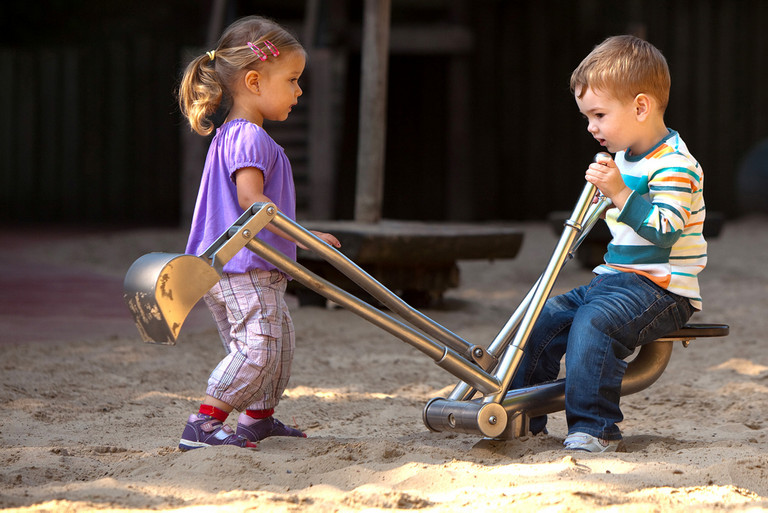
[
  {"x": 624, "y": 66},
  {"x": 208, "y": 80}
]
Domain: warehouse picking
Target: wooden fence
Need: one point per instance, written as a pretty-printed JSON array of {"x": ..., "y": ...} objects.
[
  {"x": 525, "y": 144},
  {"x": 485, "y": 131},
  {"x": 89, "y": 134}
]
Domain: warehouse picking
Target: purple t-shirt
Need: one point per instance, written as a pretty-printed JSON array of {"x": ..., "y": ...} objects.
[{"x": 236, "y": 145}]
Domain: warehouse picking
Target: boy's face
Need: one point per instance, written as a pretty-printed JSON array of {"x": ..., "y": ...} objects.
[{"x": 613, "y": 123}]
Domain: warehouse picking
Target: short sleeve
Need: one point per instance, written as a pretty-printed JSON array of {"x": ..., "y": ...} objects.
[{"x": 250, "y": 146}]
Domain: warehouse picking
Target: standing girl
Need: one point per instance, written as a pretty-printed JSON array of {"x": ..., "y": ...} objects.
[{"x": 254, "y": 74}]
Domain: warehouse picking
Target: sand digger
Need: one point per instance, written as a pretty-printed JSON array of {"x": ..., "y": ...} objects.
[{"x": 162, "y": 288}]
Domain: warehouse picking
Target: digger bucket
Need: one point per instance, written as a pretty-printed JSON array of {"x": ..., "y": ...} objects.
[{"x": 161, "y": 289}]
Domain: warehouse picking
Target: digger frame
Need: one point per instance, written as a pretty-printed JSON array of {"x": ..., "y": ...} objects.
[{"x": 162, "y": 288}]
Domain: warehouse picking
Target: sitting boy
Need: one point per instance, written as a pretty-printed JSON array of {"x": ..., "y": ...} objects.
[{"x": 648, "y": 285}]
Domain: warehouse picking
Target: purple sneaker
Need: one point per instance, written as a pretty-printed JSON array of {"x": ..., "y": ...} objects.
[
  {"x": 255, "y": 430},
  {"x": 204, "y": 431}
]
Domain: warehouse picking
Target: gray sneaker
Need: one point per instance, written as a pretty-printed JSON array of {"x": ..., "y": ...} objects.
[{"x": 589, "y": 443}]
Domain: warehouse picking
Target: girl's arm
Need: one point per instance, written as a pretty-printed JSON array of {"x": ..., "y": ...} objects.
[{"x": 250, "y": 189}]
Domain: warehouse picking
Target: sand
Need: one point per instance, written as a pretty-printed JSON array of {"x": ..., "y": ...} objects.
[{"x": 92, "y": 415}]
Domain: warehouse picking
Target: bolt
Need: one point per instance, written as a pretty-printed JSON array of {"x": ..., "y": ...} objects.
[
  {"x": 478, "y": 352},
  {"x": 492, "y": 420},
  {"x": 247, "y": 234},
  {"x": 271, "y": 211}
]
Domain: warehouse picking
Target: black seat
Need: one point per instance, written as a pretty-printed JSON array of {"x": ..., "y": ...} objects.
[{"x": 690, "y": 331}]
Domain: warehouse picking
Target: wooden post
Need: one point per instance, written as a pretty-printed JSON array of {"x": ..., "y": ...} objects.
[
  {"x": 322, "y": 101},
  {"x": 373, "y": 108}
]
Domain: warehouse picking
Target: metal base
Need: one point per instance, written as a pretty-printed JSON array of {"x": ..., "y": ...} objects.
[{"x": 489, "y": 419}]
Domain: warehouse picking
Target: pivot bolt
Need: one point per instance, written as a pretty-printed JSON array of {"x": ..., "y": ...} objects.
[
  {"x": 492, "y": 420},
  {"x": 246, "y": 234}
]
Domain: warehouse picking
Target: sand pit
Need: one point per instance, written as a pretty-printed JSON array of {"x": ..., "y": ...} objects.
[{"x": 93, "y": 415}]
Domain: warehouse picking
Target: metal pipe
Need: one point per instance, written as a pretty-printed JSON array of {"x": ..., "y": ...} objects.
[
  {"x": 505, "y": 334},
  {"x": 487, "y": 419},
  {"x": 541, "y": 399},
  {"x": 372, "y": 286},
  {"x": 514, "y": 354},
  {"x": 544, "y": 398},
  {"x": 592, "y": 217},
  {"x": 462, "y": 391},
  {"x": 443, "y": 356}
]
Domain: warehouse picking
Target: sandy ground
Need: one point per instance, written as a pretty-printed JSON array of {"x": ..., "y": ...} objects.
[{"x": 92, "y": 416}]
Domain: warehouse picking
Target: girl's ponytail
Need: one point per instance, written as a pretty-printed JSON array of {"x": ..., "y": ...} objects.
[
  {"x": 250, "y": 43},
  {"x": 200, "y": 93}
]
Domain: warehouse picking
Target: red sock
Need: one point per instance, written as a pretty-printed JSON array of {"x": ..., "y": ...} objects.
[
  {"x": 216, "y": 413},
  {"x": 260, "y": 414}
]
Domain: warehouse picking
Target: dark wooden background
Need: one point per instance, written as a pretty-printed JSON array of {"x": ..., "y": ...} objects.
[{"x": 481, "y": 125}]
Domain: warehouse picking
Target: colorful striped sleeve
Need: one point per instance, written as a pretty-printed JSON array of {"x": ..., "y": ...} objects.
[{"x": 661, "y": 218}]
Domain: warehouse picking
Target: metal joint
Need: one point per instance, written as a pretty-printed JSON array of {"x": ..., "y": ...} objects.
[
  {"x": 482, "y": 357},
  {"x": 574, "y": 225}
]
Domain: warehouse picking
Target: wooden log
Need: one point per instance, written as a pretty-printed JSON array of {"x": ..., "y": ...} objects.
[{"x": 416, "y": 260}]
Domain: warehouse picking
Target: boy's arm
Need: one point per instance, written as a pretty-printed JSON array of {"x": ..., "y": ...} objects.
[{"x": 662, "y": 219}]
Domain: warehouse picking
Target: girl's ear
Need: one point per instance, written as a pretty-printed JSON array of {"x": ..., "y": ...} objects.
[
  {"x": 643, "y": 105},
  {"x": 251, "y": 80}
]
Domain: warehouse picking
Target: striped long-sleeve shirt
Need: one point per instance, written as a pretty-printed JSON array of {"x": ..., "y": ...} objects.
[{"x": 658, "y": 233}]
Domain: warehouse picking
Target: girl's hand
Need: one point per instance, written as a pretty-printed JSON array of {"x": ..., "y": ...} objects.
[
  {"x": 605, "y": 175},
  {"x": 325, "y": 237},
  {"x": 328, "y": 239}
]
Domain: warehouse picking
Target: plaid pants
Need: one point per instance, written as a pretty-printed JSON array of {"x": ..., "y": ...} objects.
[{"x": 257, "y": 332}]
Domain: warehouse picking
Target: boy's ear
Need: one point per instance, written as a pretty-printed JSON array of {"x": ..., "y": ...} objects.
[
  {"x": 251, "y": 80},
  {"x": 643, "y": 106}
]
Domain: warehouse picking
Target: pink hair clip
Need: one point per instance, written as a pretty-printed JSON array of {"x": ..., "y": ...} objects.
[
  {"x": 272, "y": 48},
  {"x": 261, "y": 54},
  {"x": 258, "y": 51}
]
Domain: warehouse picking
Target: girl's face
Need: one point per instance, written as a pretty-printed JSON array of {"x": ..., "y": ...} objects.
[
  {"x": 279, "y": 85},
  {"x": 610, "y": 121}
]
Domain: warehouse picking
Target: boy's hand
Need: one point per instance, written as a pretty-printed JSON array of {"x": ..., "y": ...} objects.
[{"x": 604, "y": 175}]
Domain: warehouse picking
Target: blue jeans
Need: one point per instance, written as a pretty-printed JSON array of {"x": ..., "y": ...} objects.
[{"x": 596, "y": 327}]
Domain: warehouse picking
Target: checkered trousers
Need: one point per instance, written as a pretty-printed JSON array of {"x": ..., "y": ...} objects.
[{"x": 257, "y": 332}]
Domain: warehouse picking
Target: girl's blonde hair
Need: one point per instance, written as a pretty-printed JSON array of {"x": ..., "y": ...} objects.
[
  {"x": 624, "y": 66},
  {"x": 208, "y": 80}
]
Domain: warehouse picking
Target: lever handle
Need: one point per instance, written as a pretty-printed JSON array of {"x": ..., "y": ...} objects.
[{"x": 603, "y": 154}]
